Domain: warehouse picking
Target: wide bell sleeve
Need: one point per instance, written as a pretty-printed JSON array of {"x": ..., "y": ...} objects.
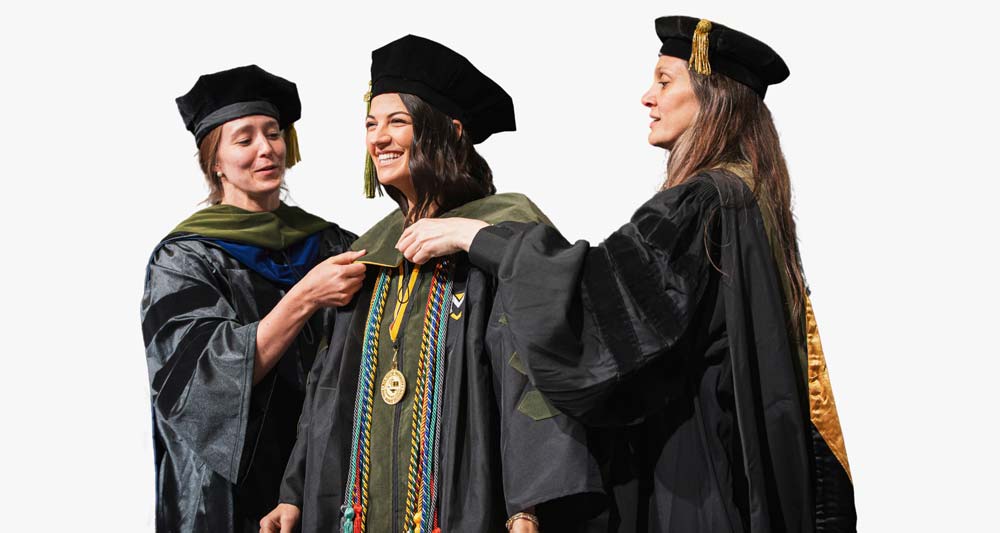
[
  {"x": 586, "y": 321},
  {"x": 544, "y": 454},
  {"x": 200, "y": 356}
]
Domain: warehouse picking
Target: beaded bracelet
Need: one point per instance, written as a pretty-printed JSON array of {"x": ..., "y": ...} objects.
[{"x": 527, "y": 516}]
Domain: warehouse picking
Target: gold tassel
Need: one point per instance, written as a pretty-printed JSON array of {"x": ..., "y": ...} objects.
[
  {"x": 292, "y": 154},
  {"x": 370, "y": 178},
  {"x": 699, "y": 48}
]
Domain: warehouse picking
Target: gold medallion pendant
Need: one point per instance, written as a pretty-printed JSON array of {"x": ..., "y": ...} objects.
[{"x": 393, "y": 387}]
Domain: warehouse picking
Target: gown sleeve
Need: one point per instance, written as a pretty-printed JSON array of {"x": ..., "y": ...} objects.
[
  {"x": 293, "y": 480},
  {"x": 544, "y": 454},
  {"x": 586, "y": 321},
  {"x": 200, "y": 356}
]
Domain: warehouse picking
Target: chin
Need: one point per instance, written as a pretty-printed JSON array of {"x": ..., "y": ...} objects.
[
  {"x": 659, "y": 140},
  {"x": 659, "y": 143},
  {"x": 270, "y": 186},
  {"x": 393, "y": 179}
]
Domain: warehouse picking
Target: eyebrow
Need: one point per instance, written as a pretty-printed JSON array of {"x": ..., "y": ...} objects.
[
  {"x": 240, "y": 131},
  {"x": 394, "y": 113},
  {"x": 247, "y": 127}
]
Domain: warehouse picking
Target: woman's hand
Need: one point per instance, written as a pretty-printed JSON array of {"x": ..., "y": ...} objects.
[
  {"x": 333, "y": 282},
  {"x": 436, "y": 237},
  {"x": 519, "y": 526},
  {"x": 282, "y": 519}
]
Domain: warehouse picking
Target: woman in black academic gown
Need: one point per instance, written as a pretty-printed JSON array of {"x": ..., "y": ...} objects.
[
  {"x": 686, "y": 340},
  {"x": 420, "y": 417},
  {"x": 237, "y": 303}
]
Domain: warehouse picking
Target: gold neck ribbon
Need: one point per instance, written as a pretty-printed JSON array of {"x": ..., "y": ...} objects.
[{"x": 401, "y": 303}]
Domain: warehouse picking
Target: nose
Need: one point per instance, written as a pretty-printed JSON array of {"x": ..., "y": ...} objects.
[
  {"x": 265, "y": 147},
  {"x": 379, "y": 136},
  {"x": 649, "y": 97}
]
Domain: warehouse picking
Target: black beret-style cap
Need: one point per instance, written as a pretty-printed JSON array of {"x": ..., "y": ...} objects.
[
  {"x": 446, "y": 80},
  {"x": 223, "y": 96},
  {"x": 730, "y": 52}
]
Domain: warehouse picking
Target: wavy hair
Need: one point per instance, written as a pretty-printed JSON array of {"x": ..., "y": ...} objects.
[{"x": 445, "y": 168}]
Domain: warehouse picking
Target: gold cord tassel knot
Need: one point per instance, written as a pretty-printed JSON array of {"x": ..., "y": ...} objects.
[
  {"x": 292, "y": 153},
  {"x": 370, "y": 183},
  {"x": 699, "y": 48}
]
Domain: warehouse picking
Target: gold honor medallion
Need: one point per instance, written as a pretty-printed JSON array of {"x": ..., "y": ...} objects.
[{"x": 393, "y": 387}]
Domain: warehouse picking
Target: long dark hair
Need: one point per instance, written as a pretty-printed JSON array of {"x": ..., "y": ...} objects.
[
  {"x": 734, "y": 126},
  {"x": 445, "y": 168}
]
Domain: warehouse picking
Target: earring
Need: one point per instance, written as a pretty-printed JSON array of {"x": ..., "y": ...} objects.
[{"x": 218, "y": 175}]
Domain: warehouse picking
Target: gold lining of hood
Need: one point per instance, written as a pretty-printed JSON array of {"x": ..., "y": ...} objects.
[{"x": 822, "y": 408}]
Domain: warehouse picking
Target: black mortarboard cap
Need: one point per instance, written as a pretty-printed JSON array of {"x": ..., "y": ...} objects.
[
  {"x": 446, "y": 80},
  {"x": 723, "y": 50},
  {"x": 223, "y": 96}
]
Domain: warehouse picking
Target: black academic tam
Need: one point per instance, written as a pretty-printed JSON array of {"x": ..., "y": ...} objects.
[
  {"x": 446, "y": 80},
  {"x": 728, "y": 52}
]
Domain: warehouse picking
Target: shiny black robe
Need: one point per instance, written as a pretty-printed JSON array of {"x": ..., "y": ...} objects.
[
  {"x": 497, "y": 456},
  {"x": 669, "y": 340},
  {"x": 220, "y": 443}
]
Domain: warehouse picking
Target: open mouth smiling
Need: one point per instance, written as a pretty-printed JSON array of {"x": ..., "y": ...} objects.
[{"x": 386, "y": 158}]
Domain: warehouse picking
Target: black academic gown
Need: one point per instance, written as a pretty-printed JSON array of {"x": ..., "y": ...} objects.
[
  {"x": 220, "y": 442},
  {"x": 503, "y": 449},
  {"x": 670, "y": 341}
]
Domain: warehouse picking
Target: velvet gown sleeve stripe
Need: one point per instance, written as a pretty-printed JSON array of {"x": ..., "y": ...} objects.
[
  {"x": 200, "y": 358},
  {"x": 168, "y": 306},
  {"x": 612, "y": 318}
]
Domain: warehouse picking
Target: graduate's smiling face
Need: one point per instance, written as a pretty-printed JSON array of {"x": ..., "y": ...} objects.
[
  {"x": 389, "y": 138},
  {"x": 672, "y": 103},
  {"x": 251, "y": 157}
]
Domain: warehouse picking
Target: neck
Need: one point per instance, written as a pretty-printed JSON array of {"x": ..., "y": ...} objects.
[
  {"x": 431, "y": 210},
  {"x": 251, "y": 202}
]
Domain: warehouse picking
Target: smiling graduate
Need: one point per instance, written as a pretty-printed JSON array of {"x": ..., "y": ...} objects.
[{"x": 420, "y": 417}]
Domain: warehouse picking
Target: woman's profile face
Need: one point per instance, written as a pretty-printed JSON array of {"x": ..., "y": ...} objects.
[
  {"x": 389, "y": 138},
  {"x": 251, "y": 154},
  {"x": 671, "y": 101}
]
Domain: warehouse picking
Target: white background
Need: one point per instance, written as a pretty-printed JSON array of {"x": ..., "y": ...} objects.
[{"x": 888, "y": 122}]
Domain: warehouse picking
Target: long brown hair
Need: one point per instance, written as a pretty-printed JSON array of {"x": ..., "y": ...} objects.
[
  {"x": 734, "y": 127},
  {"x": 445, "y": 168}
]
